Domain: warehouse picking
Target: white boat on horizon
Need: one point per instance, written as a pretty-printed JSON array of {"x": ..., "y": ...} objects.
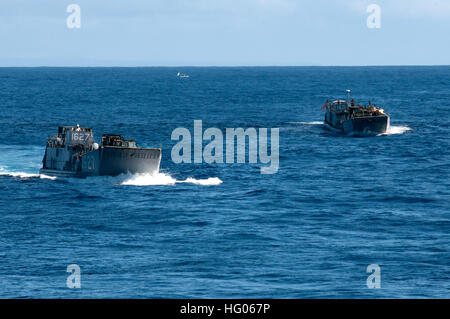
[{"x": 182, "y": 75}]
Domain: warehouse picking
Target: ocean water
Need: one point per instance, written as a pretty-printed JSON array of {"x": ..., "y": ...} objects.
[{"x": 336, "y": 205}]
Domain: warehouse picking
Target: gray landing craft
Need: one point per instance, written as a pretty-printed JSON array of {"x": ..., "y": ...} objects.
[
  {"x": 73, "y": 153},
  {"x": 351, "y": 119}
]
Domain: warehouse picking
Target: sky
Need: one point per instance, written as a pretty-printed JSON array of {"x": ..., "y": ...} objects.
[{"x": 224, "y": 33}]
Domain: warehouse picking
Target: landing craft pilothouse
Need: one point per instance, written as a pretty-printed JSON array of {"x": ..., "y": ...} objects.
[{"x": 73, "y": 153}]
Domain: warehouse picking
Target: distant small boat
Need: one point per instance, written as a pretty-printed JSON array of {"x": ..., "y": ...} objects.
[{"x": 182, "y": 75}]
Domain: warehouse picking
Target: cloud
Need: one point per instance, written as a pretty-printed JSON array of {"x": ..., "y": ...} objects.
[
  {"x": 117, "y": 8},
  {"x": 423, "y": 8},
  {"x": 404, "y": 8},
  {"x": 130, "y": 8}
]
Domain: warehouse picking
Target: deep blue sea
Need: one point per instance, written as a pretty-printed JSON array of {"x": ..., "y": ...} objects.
[{"x": 336, "y": 205}]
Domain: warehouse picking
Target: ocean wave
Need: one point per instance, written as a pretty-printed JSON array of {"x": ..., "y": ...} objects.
[{"x": 156, "y": 179}]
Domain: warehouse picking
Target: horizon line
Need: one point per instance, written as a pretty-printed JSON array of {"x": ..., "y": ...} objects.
[{"x": 222, "y": 66}]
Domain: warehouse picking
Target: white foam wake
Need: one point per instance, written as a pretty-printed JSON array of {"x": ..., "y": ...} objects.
[
  {"x": 392, "y": 130},
  {"x": 25, "y": 175},
  {"x": 165, "y": 179},
  {"x": 211, "y": 181}
]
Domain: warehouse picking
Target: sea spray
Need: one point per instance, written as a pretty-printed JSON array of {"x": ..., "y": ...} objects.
[
  {"x": 156, "y": 179},
  {"x": 211, "y": 181},
  {"x": 396, "y": 130},
  {"x": 25, "y": 175},
  {"x": 393, "y": 130}
]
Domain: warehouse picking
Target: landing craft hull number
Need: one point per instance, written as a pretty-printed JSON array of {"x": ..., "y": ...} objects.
[{"x": 80, "y": 137}]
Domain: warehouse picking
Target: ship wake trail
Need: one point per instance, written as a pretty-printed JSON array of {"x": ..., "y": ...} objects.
[
  {"x": 156, "y": 179},
  {"x": 24, "y": 175},
  {"x": 21, "y": 161}
]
